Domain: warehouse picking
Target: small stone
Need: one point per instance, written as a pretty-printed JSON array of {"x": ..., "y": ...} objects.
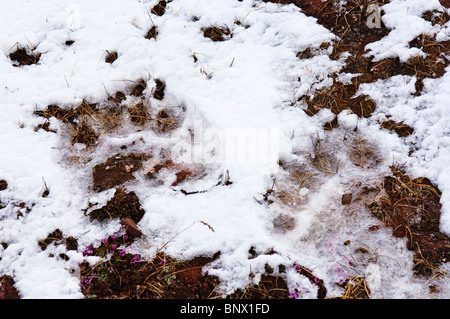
[
  {"x": 346, "y": 199},
  {"x": 130, "y": 227}
]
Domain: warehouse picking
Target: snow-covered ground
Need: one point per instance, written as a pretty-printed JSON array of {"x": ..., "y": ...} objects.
[{"x": 243, "y": 85}]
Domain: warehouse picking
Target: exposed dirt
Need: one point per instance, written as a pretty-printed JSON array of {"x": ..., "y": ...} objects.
[
  {"x": 159, "y": 91},
  {"x": 160, "y": 8},
  {"x": 411, "y": 208},
  {"x": 152, "y": 33},
  {"x": 3, "y": 185},
  {"x": 401, "y": 128},
  {"x": 24, "y": 56},
  {"x": 122, "y": 205},
  {"x": 217, "y": 33},
  {"x": 111, "y": 56},
  {"x": 7, "y": 289},
  {"x": 117, "y": 170}
]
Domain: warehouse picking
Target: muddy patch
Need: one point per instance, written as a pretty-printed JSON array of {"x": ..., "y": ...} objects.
[
  {"x": 116, "y": 170},
  {"x": 411, "y": 207}
]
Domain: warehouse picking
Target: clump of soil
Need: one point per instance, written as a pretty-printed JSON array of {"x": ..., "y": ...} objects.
[
  {"x": 71, "y": 243},
  {"x": 65, "y": 115},
  {"x": 24, "y": 56},
  {"x": 122, "y": 205},
  {"x": 7, "y": 288},
  {"x": 77, "y": 118},
  {"x": 138, "y": 88},
  {"x": 3, "y": 185},
  {"x": 436, "y": 17},
  {"x": 117, "y": 170},
  {"x": 339, "y": 97},
  {"x": 160, "y": 8},
  {"x": 152, "y": 33},
  {"x": 400, "y": 128},
  {"x": 217, "y": 33},
  {"x": 85, "y": 134},
  {"x": 412, "y": 208},
  {"x": 117, "y": 98},
  {"x": 160, "y": 87},
  {"x": 111, "y": 57}
]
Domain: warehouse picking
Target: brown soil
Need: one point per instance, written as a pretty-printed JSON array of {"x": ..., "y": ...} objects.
[
  {"x": 412, "y": 208},
  {"x": 160, "y": 8},
  {"x": 24, "y": 56},
  {"x": 56, "y": 237},
  {"x": 121, "y": 205},
  {"x": 111, "y": 56},
  {"x": 7, "y": 289},
  {"x": 116, "y": 170},
  {"x": 138, "y": 88},
  {"x": 152, "y": 33},
  {"x": 126, "y": 276},
  {"x": 160, "y": 87},
  {"x": 3, "y": 185}
]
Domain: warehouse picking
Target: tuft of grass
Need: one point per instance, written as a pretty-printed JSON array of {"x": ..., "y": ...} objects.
[
  {"x": 356, "y": 288},
  {"x": 323, "y": 158},
  {"x": 400, "y": 128},
  {"x": 165, "y": 121},
  {"x": 362, "y": 153},
  {"x": 216, "y": 33},
  {"x": 139, "y": 114},
  {"x": 111, "y": 56}
]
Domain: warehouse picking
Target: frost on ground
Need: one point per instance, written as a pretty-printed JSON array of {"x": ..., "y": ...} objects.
[{"x": 147, "y": 106}]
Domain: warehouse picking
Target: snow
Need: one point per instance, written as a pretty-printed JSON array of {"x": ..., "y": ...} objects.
[{"x": 251, "y": 82}]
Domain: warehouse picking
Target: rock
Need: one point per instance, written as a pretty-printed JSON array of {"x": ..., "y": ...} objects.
[
  {"x": 346, "y": 199},
  {"x": 131, "y": 228}
]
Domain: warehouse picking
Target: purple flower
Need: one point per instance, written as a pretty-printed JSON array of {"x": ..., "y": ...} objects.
[
  {"x": 105, "y": 241},
  {"x": 136, "y": 258},
  {"x": 87, "y": 280},
  {"x": 125, "y": 237},
  {"x": 297, "y": 267},
  {"x": 113, "y": 248},
  {"x": 294, "y": 294},
  {"x": 88, "y": 251},
  {"x": 122, "y": 253},
  {"x": 113, "y": 237},
  {"x": 316, "y": 280}
]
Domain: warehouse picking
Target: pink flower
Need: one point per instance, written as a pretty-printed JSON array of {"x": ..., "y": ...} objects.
[
  {"x": 122, "y": 253},
  {"x": 136, "y": 258}
]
